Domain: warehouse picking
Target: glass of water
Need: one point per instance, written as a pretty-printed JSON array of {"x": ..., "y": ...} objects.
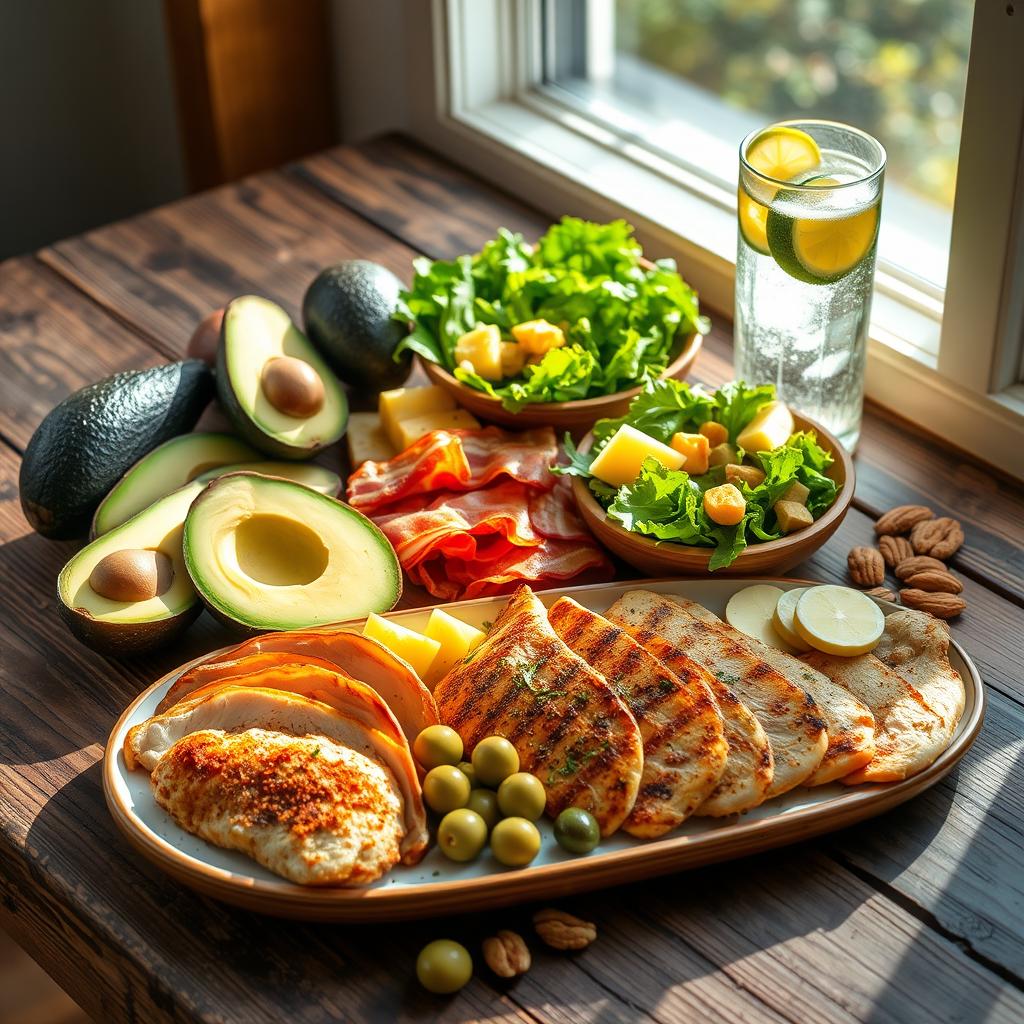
[{"x": 809, "y": 197}]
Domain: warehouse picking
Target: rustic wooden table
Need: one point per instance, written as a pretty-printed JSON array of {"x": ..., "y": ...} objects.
[{"x": 915, "y": 916}]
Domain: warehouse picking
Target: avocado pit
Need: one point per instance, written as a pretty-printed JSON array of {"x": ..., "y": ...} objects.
[
  {"x": 292, "y": 386},
  {"x": 131, "y": 575}
]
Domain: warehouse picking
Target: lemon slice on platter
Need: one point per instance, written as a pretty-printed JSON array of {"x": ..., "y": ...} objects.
[
  {"x": 838, "y": 620},
  {"x": 783, "y": 622},
  {"x": 783, "y": 153},
  {"x": 753, "y": 218},
  {"x": 750, "y": 611}
]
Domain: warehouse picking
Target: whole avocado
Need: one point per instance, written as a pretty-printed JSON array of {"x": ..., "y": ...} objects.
[
  {"x": 86, "y": 443},
  {"x": 347, "y": 314}
]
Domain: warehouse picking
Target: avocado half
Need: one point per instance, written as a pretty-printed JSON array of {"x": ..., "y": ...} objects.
[
  {"x": 125, "y": 628},
  {"x": 166, "y": 468},
  {"x": 89, "y": 441},
  {"x": 347, "y": 312},
  {"x": 254, "y": 331},
  {"x": 270, "y": 554}
]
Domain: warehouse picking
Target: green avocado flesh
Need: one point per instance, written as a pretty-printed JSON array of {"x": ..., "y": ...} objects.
[
  {"x": 306, "y": 473},
  {"x": 119, "y": 627},
  {"x": 269, "y": 554},
  {"x": 165, "y": 469},
  {"x": 255, "y": 331}
]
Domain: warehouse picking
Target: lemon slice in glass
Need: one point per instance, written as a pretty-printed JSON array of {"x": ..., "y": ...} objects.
[
  {"x": 820, "y": 250},
  {"x": 838, "y": 620},
  {"x": 782, "y": 619},
  {"x": 783, "y": 153},
  {"x": 753, "y": 219}
]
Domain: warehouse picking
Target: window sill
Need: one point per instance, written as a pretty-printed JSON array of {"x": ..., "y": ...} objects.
[{"x": 550, "y": 157}]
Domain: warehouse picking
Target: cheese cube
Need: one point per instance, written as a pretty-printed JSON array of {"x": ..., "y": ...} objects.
[
  {"x": 415, "y": 648},
  {"x": 454, "y": 419},
  {"x": 538, "y": 336},
  {"x": 750, "y": 475},
  {"x": 714, "y": 432},
  {"x": 796, "y": 492},
  {"x": 513, "y": 358},
  {"x": 481, "y": 349},
  {"x": 696, "y": 449},
  {"x": 622, "y": 458},
  {"x": 366, "y": 439},
  {"x": 405, "y": 403},
  {"x": 457, "y": 639},
  {"x": 792, "y": 516},
  {"x": 770, "y": 428}
]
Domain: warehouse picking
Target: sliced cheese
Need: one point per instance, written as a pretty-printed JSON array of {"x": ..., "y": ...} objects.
[
  {"x": 415, "y": 648},
  {"x": 771, "y": 427},
  {"x": 406, "y": 403},
  {"x": 453, "y": 419},
  {"x": 622, "y": 458},
  {"x": 367, "y": 439},
  {"x": 457, "y": 639}
]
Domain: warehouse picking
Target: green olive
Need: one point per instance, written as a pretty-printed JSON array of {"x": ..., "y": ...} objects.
[
  {"x": 485, "y": 803},
  {"x": 462, "y": 834},
  {"x": 445, "y": 788},
  {"x": 444, "y": 966},
  {"x": 467, "y": 769},
  {"x": 515, "y": 842},
  {"x": 437, "y": 744},
  {"x": 494, "y": 760},
  {"x": 522, "y": 796},
  {"x": 576, "y": 830}
]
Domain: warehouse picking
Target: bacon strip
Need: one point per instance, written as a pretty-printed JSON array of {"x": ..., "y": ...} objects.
[
  {"x": 455, "y": 460},
  {"x": 472, "y": 513}
]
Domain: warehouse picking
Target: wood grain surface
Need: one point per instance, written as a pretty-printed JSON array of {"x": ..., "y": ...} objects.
[{"x": 916, "y": 916}]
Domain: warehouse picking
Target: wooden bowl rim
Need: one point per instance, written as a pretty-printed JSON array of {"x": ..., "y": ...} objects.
[
  {"x": 438, "y": 374},
  {"x": 585, "y": 497}
]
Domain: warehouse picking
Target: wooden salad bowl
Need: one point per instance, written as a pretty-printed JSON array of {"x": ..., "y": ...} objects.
[
  {"x": 774, "y": 557},
  {"x": 576, "y": 417}
]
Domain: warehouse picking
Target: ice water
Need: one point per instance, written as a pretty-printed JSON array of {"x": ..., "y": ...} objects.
[{"x": 808, "y": 337}]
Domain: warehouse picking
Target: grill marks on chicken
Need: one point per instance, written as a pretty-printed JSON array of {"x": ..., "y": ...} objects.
[
  {"x": 311, "y": 810},
  {"x": 570, "y": 728},
  {"x": 680, "y": 724}
]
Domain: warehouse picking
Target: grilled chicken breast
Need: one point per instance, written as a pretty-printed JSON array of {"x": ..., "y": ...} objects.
[
  {"x": 358, "y": 656},
  {"x": 788, "y": 714},
  {"x": 909, "y": 735},
  {"x": 311, "y": 810},
  {"x": 848, "y": 721},
  {"x": 234, "y": 709},
  {"x": 748, "y": 766},
  {"x": 917, "y": 647},
  {"x": 569, "y": 727},
  {"x": 680, "y": 724}
]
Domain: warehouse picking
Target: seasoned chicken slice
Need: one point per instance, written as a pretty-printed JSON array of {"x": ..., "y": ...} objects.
[
  {"x": 684, "y": 741},
  {"x": 916, "y": 645},
  {"x": 569, "y": 727},
  {"x": 311, "y": 810},
  {"x": 233, "y": 709},
  {"x": 788, "y": 714},
  {"x": 748, "y": 766},
  {"x": 848, "y": 721},
  {"x": 358, "y": 656},
  {"x": 909, "y": 735}
]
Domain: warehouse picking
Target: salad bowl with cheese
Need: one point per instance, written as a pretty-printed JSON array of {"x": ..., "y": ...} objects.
[{"x": 690, "y": 482}]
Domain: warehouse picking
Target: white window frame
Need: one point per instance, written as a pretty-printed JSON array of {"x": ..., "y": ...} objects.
[{"x": 474, "y": 68}]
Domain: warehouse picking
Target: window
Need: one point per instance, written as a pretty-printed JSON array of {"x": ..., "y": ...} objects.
[{"x": 637, "y": 107}]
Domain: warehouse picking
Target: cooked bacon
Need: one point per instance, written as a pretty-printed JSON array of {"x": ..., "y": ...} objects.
[
  {"x": 553, "y": 513},
  {"x": 455, "y": 460}
]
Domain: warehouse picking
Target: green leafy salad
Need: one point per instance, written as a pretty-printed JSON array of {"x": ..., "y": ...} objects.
[
  {"x": 668, "y": 504},
  {"x": 605, "y": 320}
]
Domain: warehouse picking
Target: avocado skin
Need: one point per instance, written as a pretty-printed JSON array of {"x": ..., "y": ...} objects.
[
  {"x": 128, "y": 639},
  {"x": 347, "y": 315},
  {"x": 90, "y": 440}
]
